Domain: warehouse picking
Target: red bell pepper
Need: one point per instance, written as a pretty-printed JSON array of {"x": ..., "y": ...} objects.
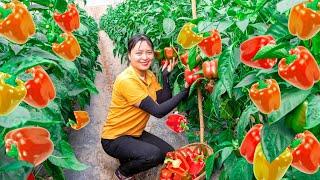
[
  {"x": 177, "y": 163},
  {"x": 169, "y": 52},
  {"x": 184, "y": 58},
  {"x": 33, "y": 144},
  {"x": 209, "y": 86},
  {"x": 68, "y": 21},
  {"x": 266, "y": 95},
  {"x": 166, "y": 174},
  {"x": 40, "y": 89},
  {"x": 31, "y": 177},
  {"x": 177, "y": 123},
  {"x": 196, "y": 164},
  {"x": 303, "y": 72},
  {"x": 190, "y": 76},
  {"x": 210, "y": 69},
  {"x": 306, "y": 157},
  {"x": 250, "y": 47},
  {"x": 250, "y": 142},
  {"x": 211, "y": 45}
]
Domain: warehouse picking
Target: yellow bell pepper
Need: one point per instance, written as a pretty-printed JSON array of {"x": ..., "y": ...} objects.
[
  {"x": 264, "y": 170},
  {"x": 187, "y": 38},
  {"x": 10, "y": 96}
]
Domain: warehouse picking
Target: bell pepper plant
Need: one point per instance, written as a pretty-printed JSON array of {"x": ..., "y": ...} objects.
[
  {"x": 10, "y": 96},
  {"x": 250, "y": 142},
  {"x": 210, "y": 69},
  {"x": 300, "y": 69},
  {"x": 68, "y": 21},
  {"x": 33, "y": 144},
  {"x": 187, "y": 38},
  {"x": 275, "y": 170},
  {"x": 266, "y": 95},
  {"x": 82, "y": 119},
  {"x": 177, "y": 123},
  {"x": 250, "y": 47},
  {"x": 211, "y": 45},
  {"x": 190, "y": 76},
  {"x": 16, "y": 23},
  {"x": 306, "y": 156},
  {"x": 296, "y": 119},
  {"x": 40, "y": 89},
  {"x": 68, "y": 49},
  {"x": 304, "y": 22}
]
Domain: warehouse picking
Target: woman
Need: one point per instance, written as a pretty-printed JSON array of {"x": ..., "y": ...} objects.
[{"x": 137, "y": 94}]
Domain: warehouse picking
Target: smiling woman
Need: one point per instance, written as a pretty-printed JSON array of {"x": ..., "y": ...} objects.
[{"x": 136, "y": 95}]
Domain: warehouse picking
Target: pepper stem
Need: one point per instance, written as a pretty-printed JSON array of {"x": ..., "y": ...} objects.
[
  {"x": 4, "y": 12},
  {"x": 70, "y": 123},
  {"x": 262, "y": 84},
  {"x": 313, "y": 5},
  {"x": 184, "y": 126},
  {"x": 13, "y": 151},
  {"x": 11, "y": 81},
  {"x": 295, "y": 143},
  {"x": 60, "y": 39},
  {"x": 291, "y": 59}
]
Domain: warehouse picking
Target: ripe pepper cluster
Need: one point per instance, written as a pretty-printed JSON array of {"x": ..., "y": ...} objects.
[
  {"x": 300, "y": 69},
  {"x": 303, "y": 156},
  {"x": 185, "y": 163}
]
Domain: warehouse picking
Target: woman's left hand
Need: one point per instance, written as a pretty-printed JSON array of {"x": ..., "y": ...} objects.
[{"x": 169, "y": 65}]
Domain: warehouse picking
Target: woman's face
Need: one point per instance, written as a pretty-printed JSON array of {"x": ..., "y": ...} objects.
[{"x": 141, "y": 56}]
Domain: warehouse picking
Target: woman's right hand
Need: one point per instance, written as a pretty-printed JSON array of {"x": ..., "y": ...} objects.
[{"x": 169, "y": 65}]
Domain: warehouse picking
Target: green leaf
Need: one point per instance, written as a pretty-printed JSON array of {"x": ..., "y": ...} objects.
[
  {"x": 238, "y": 167},
  {"x": 245, "y": 120},
  {"x": 12, "y": 168},
  {"x": 289, "y": 100},
  {"x": 315, "y": 49},
  {"x": 226, "y": 69},
  {"x": 168, "y": 25},
  {"x": 271, "y": 51},
  {"x": 225, "y": 153},
  {"x": 192, "y": 61},
  {"x": 286, "y": 5},
  {"x": 41, "y": 2},
  {"x": 219, "y": 89},
  {"x": 205, "y": 26},
  {"x": 55, "y": 171},
  {"x": 209, "y": 165},
  {"x": 296, "y": 174},
  {"x": 19, "y": 116},
  {"x": 222, "y": 26},
  {"x": 61, "y": 5},
  {"x": 249, "y": 79},
  {"x": 242, "y": 25},
  {"x": 279, "y": 29},
  {"x": 63, "y": 156},
  {"x": 19, "y": 64},
  {"x": 313, "y": 113},
  {"x": 275, "y": 139}
]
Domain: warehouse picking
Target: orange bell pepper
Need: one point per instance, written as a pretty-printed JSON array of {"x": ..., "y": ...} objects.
[
  {"x": 266, "y": 95},
  {"x": 69, "y": 49},
  {"x": 303, "y": 21},
  {"x": 18, "y": 26},
  {"x": 82, "y": 119}
]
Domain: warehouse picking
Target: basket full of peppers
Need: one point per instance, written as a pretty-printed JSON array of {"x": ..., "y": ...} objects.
[{"x": 187, "y": 163}]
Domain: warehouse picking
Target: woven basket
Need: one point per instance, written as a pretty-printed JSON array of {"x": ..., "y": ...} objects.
[{"x": 202, "y": 176}]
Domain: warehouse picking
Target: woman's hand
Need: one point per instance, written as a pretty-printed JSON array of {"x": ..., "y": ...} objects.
[{"x": 169, "y": 65}]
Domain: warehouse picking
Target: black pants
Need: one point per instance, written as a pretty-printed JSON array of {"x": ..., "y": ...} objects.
[{"x": 137, "y": 154}]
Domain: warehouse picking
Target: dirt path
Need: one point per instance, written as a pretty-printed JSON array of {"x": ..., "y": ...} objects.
[{"x": 86, "y": 142}]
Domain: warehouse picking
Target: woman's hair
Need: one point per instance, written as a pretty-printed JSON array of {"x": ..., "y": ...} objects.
[{"x": 137, "y": 38}]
